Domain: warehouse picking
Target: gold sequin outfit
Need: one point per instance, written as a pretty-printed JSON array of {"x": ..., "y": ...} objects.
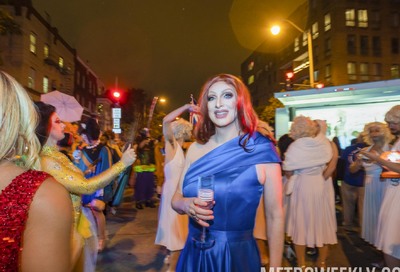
[{"x": 66, "y": 173}]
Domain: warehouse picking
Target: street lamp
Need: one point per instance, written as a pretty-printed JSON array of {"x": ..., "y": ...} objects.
[{"x": 275, "y": 31}]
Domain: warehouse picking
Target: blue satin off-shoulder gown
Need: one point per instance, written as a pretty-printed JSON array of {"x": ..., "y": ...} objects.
[{"x": 237, "y": 193}]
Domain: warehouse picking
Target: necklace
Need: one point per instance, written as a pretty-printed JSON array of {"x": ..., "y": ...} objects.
[{"x": 94, "y": 145}]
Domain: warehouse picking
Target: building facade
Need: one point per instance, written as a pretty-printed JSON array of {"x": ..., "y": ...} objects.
[{"x": 353, "y": 41}]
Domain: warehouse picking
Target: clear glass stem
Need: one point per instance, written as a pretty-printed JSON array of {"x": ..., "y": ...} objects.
[{"x": 203, "y": 235}]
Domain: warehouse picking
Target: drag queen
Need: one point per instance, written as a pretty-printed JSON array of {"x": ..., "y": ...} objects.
[
  {"x": 173, "y": 227},
  {"x": 311, "y": 218},
  {"x": 244, "y": 164},
  {"x": 49, "y": 132},
  {"x": 388, "y": 235}
]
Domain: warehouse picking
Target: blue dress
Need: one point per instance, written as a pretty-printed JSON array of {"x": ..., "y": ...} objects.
[{"x": 237, "y": 196}]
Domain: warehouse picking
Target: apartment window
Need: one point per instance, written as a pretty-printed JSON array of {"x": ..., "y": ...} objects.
[
  {"x": 327, "y": 22},
  {"x": 296, "y": 44},
  {"x": 394, "y": 71},
  {"x": 46, "y": 51},
  {"x": 363, "y": 45},
  {"x": 351, "y": 70},
  {"x": 395, "y": 19},
  {"x": 395, "y": 45},
  {"x": 45, "y": 84},
  {"x": 376, "y": 70},
  {"x": 351, "y": 44},
  {"x": 328, "y": 47},
  {"x": 350, "y": 17},
  {"x": 362, "y": 18},
  {"x": 61, "y": 62},
  {"x": 364, "y": 71},
  {"x": 250, "y": 66},
  {"x": 328, "y": 75},
  {"x": 376, "y": 46},
  {"x": 250, "y": 80},
  {"x": 31, "y": 78},
  {"x": 314, "y": 30},
  {"x": 32, "y": 44},
  {"x": 305, "y": 39},
  {"x": 375, "y": 21}
]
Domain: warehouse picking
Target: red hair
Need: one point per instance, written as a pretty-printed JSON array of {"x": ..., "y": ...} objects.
[{"x": 248, "y": 119}]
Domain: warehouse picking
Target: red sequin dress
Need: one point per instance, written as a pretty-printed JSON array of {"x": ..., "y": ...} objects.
[{"x": 15, "y": 200}]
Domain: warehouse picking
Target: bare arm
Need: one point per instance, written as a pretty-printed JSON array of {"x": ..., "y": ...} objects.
[
  {"x": 392, "y": 166},
  {"x": 271, "y": 174},
  {"x": 190, "y": 205},
  {"x": 330, "y": 168},
  {"x": 47, "y": 237}
]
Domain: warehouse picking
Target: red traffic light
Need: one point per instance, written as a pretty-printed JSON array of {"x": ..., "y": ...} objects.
[
  {"x": 289, "y": 75},
  {"x": 116, "y": 94}
]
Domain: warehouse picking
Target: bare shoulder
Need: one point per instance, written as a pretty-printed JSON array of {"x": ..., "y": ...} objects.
[
  {"x": 51, "y": 199},
  {"x": 196, "y": 151}
]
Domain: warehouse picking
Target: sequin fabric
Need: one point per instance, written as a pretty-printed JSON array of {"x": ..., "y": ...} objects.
[
  {"x": 15, "y": 200},
  {"x": 72, "y": 178}
]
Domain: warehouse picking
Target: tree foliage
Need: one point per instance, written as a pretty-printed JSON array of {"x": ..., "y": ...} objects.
[
  {"x": 8, "y": 24},
  {"x": 267, "y": 113}
]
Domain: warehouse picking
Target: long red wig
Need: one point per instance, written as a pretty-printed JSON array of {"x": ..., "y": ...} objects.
[{"x": 248, "y": 119}]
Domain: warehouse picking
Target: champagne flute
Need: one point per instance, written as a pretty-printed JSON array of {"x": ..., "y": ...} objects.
[{"x": 205, "y": 191}]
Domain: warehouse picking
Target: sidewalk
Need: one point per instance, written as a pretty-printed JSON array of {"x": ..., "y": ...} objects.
[{"x": 132, "y": 232}]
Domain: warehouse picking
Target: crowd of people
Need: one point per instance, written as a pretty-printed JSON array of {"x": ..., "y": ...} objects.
[{"x": 59, "y": 181}]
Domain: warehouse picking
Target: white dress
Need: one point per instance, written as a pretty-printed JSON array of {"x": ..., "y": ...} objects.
[
  {"x": 311, "y": 215},
  {"x": 388, "y": 234},
  {"x": 172, "y": 227},
  {"x": 374, "y": 192}
]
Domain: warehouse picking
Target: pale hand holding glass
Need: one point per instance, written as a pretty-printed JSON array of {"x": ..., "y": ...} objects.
[{"x": 205, "y": 191}]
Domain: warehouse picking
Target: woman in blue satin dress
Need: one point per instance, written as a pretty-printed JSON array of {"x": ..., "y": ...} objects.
[{"x": 244, "y": 164}]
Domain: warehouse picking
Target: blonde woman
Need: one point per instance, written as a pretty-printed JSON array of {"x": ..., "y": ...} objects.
[
  {"x": 377, "y": 136},
  {"x": 35, "y": 210},
  {"x": 311, "y": 218},
  {"x": 172, "y": 227}
]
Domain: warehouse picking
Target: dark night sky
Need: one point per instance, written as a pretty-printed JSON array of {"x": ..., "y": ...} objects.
[{"x": 166, "y": 47}]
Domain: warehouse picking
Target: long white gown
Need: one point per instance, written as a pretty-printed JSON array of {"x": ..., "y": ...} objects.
[
  {"x": 388, "y": 234},
  {"x": 172, "y": 227},
  {"x": 374, "y": 191}
]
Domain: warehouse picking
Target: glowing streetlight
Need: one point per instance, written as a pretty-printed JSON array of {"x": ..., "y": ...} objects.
[
  {"x": 162, "y": 100},
  {"x": 275, "y": 30}
]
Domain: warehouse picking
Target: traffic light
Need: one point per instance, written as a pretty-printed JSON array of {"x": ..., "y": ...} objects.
[
  {"x": 289, "y": 80},
  {"x": 116, "y": 96}
]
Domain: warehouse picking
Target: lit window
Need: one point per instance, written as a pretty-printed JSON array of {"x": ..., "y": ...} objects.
[
  {"x": 250, "y": 66},
  {"x": 376, "y": 69},
  {"x": 328, "y": 75},
  {"x": 351, "y": 70},
  {"x": 296, "y": 44},
  {"x": 46, "y": 51},
  {"x": 394, "y": 71},
  {"x": 327, "y": 22},
  {"x": 362, "y": 18},
  {"x": 61, "y": 62},
  {"x": 31, "y": 78},
  {"x": 305, "y": 39},
  {"x": 350, "y": 17},
  {"x": 45, "y": 84},
  {"x": 364, "y": 71},
  {"x": 250, "y": 80},
  {"x": 314, "y": 30},
  {"x": 32, "y": 46}
]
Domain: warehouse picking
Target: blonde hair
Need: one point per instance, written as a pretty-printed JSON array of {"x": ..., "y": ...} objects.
[
  {"x": 182, "y": 129},
  {"x": 393, "y": 115},
  {"x": 382, "y": 127},
  {"x": 302, "y": 126},
  {"x": 18, "y": 120}
]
